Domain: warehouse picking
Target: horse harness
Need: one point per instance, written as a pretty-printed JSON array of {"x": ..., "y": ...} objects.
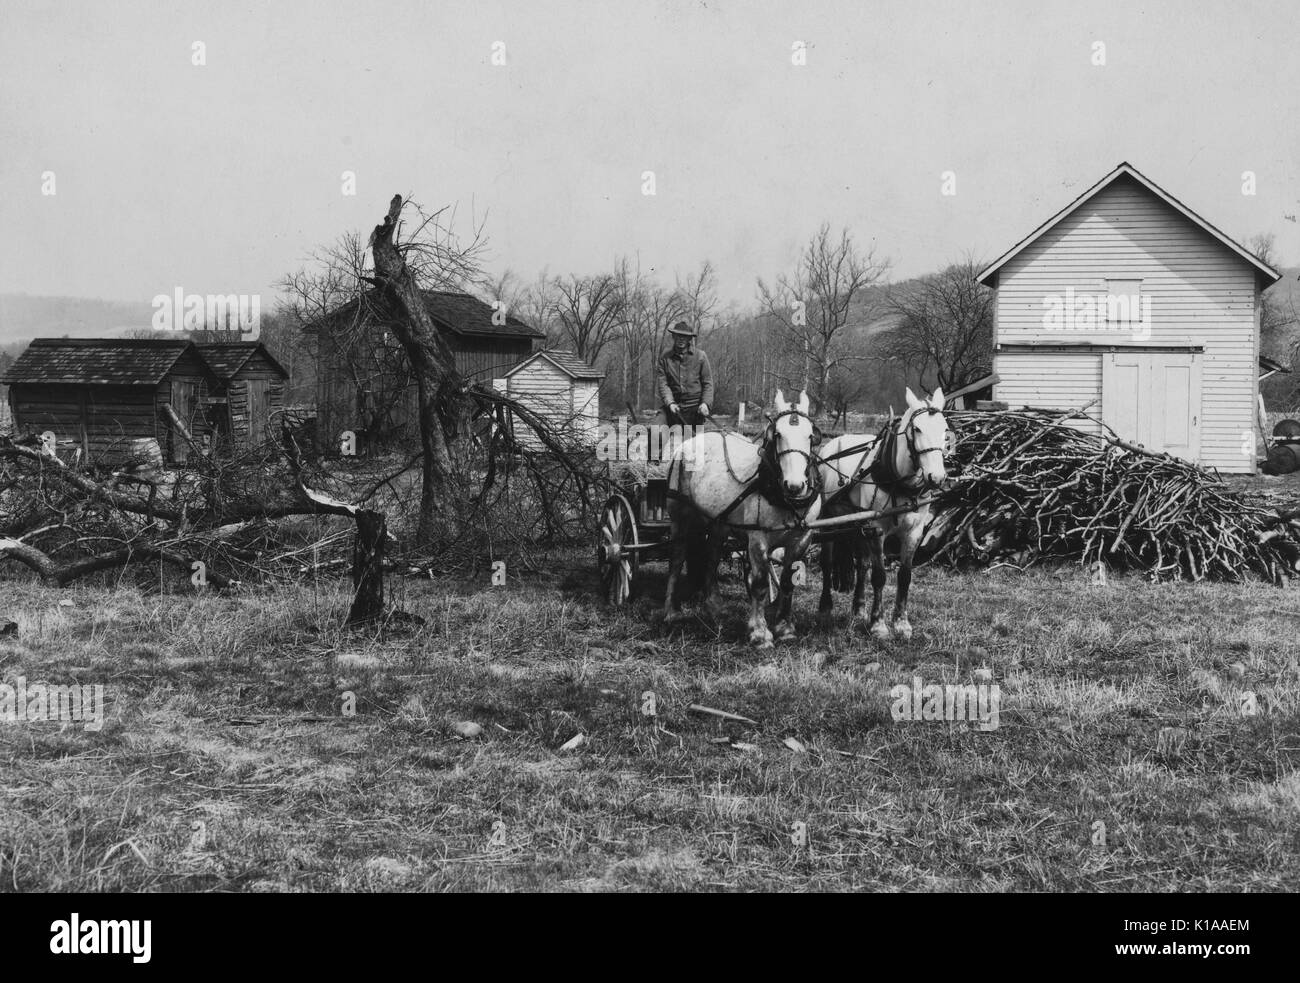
[
  {"x": 882, "y": 469},
  {"x": 766, "y": 479}
]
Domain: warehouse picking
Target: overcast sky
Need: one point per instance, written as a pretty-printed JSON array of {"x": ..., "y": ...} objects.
[{"x": 220, "y": 178}]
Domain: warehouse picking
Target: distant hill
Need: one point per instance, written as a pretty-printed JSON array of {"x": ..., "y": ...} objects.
[{"x": 23, "y": 317}]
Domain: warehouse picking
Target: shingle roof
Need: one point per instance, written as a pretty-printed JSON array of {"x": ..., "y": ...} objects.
[
  {"x": 564, "y": 361},
  {"x": 460, "y": 313},
  {"x": 97, "y": 361},
  {"x": 226, "y": 358}
]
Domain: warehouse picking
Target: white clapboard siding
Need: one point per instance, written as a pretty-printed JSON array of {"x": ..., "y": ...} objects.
[
  {"x": 586, "y": 408},
  {"x": 547, "y": 391},
  {"x": 1202, "y": 294},
  {"x": 1061, "y": 382}
]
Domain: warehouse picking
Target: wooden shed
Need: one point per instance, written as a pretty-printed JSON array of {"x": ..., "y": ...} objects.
[
  {"x": 1129, "y": 302},
  {"x": 364, "y": 383},
  {"x": 101, "y": 394},
  {"x": 248, "y": 394},
  {"x": 561, "y": 387}
]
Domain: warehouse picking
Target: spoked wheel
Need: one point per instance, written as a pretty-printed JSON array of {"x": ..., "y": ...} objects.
[{"x": 617, "y": 563}]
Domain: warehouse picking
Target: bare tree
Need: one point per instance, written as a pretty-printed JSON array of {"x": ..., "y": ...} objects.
[
  {"x": 431, "y": 255},
  {"x": 944, "y": 330},
  {"x": 589, "y": 311},
  {"x": 1277, "y": 317},
  {"x": 814, "y": 306}
]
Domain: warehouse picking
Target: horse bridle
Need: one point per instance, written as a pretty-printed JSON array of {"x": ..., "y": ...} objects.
[
  {"x": 915, "y": 452},
  {"x": 811, "y": 475}
]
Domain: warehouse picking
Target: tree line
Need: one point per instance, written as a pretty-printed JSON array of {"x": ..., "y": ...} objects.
[{"x": 832, "y": 325}]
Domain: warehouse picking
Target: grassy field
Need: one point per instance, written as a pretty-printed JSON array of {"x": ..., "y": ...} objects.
[{"x": 226, "y": 762}]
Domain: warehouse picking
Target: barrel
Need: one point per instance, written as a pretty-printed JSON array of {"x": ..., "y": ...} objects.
[{"x": 1282, "y": 459}]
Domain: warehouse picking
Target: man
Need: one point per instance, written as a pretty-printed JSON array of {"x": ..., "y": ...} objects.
[{"x": 685, "y": 379}]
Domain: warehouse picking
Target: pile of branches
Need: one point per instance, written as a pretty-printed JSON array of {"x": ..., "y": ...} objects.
[
  {"x": 521, "y": 484},
  {"x": 1027, "y": 486}
]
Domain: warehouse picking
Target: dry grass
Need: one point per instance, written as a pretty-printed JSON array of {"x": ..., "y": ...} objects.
[{"x": 226, "y": 764}]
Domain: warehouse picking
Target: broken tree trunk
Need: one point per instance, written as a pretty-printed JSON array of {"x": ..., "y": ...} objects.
[
  {"x": 431, "y": 361},
  {"x": 368, "y": 569}
]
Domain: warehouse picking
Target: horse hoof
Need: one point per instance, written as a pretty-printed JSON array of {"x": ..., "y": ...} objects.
[
  {"x": 761, "y": 639},
  {"x": 879, "y": 630},
  {"x": 903, "y": 630},
  {"x": 784, "y": 632}
]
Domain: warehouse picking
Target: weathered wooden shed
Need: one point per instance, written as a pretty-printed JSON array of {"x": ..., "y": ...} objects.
[
  {"x": 249, "y": 392},
  {"x": 103, "y": 393},
  {"x": 560, "y": 387},
  {"x": 1128, "y": 301},
  {"x": 363, "y": 380}
]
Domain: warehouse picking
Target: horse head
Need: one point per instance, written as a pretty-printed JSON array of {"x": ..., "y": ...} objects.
[
  {"x": 926, "y": 432},
  {"x": 792, "y": 440}
]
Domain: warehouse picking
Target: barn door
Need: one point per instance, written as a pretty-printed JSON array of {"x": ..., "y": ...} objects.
[
  {"x": 259, "y": 410},
  {"x": 183, "y": 398},
  {"x": 1154, "y": 399}
]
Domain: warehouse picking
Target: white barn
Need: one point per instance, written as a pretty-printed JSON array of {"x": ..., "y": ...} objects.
[
  {"x": 561, "y": 387},
  {"x": 1129, "y": 301}
]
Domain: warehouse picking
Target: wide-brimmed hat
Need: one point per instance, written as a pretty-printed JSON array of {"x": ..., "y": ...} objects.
[{"x": 683, "y": 329}]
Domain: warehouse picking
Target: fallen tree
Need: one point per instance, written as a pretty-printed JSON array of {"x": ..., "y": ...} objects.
[{"x": 1028, "y": 486}]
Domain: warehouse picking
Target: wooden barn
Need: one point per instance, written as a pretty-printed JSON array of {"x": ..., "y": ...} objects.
[
  {"x": 364, "y": 383},
  {"x": 249, "y": 392},
  {"x": 560, "y": 387},
  {"x": 100, "y": 394},
  {"x": 1129, "y": 302}
]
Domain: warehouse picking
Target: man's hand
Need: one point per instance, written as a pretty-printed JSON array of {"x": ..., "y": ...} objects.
[
  {"x": 674, "y": 408},
  {"x": 704, "y": 409}
]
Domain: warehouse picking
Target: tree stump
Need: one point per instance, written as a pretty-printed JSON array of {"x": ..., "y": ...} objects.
[{"x": 368, "y": 569}]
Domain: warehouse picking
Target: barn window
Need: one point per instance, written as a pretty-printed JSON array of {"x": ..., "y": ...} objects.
[{"x": 1123, "y": 302}]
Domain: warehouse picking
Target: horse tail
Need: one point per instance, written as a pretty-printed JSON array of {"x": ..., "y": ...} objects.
[{"x": 843, "y": 559}]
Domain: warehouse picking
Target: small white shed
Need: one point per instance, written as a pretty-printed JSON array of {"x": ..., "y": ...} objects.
[
  {"x": 1129, "y": 301},
  {"x": 561, "y": 387}
]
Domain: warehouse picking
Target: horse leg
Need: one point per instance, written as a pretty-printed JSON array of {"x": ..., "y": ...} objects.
[
  {"x": 828, "y": 559},
  {"x": 784, "y": 630},
  {"x": 758, "y": 573},
  {"x": 876, "y": 624},
  {"x": 909, "y": 540},
  {"x": 717, "y": 542},
  {"x": 859, "y": 571},
  {"x": 676, "y": 560}
]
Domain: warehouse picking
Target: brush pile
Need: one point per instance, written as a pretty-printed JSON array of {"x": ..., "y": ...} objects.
[{"x": 1027, "y": 486}]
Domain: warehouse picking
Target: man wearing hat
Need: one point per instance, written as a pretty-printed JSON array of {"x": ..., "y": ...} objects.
[{"x": 685, "y": 379}]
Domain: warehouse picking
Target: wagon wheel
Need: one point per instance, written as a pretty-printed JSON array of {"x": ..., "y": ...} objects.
[{"x": 617, "y": 563}]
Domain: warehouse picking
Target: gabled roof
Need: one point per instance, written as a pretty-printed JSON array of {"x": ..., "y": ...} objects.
[
  {"x": 567, "y": 362},
  {"x": 459, "y": 313},
  {"x": 97, "y": 361},
  {"x": 988, "y": 275},
  {"x": 226, "y": 358}
]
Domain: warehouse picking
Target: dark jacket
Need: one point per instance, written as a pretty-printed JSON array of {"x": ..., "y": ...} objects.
[{"x": 686, "y": 379}]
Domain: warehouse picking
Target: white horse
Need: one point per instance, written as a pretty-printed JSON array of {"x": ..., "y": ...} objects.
[
  {"x": 720, "y": 482},
  {"x": 860, "y": 472}
]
